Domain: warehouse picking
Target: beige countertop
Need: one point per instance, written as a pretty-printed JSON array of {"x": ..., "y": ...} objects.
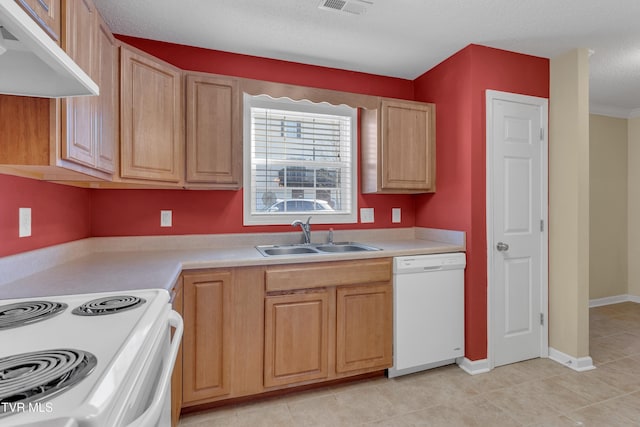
[{"x": 126, "y": 263}]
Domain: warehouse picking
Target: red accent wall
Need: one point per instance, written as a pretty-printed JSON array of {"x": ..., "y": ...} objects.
[
  {"x": 58, "y": 214},
  {"x": 458, "y": 86},
  {"x": 137, "y": 212},
  {"x": 253, "y": 67}
]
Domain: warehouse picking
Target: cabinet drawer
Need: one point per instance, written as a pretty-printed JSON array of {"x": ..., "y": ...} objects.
[{"x": 326, "y": 274}]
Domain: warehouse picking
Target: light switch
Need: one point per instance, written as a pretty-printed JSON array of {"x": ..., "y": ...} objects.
[
  {"x": 24, "y": 215},
  {"x": 366, "y": 215},
  {"x": 166, "y": 218},
  {"x": 396, "y": 215}
]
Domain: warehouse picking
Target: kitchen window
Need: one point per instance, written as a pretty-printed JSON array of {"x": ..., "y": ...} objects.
[{"x": 300, "y": 160}]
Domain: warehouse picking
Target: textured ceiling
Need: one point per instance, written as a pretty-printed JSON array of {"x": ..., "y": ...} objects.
[{"x": 404, "y": 38}]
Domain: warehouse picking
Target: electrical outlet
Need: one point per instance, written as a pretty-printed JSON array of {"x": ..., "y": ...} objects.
[
  {"x": 396, "y": 215},
  {"x": 166, "y": 219},
  {"x": 367, "y": 215},
  {"x": 24, "y": 215}
]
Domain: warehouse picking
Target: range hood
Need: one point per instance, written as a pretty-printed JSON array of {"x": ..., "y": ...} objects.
[{"x": 33, "y": 65}]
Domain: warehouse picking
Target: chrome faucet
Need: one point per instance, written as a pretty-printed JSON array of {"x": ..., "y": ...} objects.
[{"x": 306, "y": 229}]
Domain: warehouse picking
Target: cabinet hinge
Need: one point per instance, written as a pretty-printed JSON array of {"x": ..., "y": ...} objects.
[
  {"x": 542, "y": 225},
  {"x": 541, "y": 134},
  {"x": 542, "y": 319}
]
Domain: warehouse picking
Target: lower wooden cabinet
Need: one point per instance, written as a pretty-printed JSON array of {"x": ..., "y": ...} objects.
[
  {"x": 251, "y": 330},
  {"x": 364, "y": 331},
  {"x": 296, "y": 330},
  {"x": 207, "y": 335},
  {"x": 302, "y": 345}
]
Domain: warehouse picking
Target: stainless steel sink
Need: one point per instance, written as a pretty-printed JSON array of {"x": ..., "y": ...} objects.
[
  {"x": 317, "y": 249},
  {"x": 346, "y": 247},
  {"x": 287, "y": 250}
]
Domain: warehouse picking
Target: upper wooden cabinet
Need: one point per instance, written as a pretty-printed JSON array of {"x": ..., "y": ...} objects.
[
  {"x": 398, "y": 147},
  {"x": 72, "y": 139},
  {"x": 78, "y": 142},
  {"x": 213, "y": 132},
  {"x": 90, "y": 124},
  {"x": 107, "y": 108},
  {"x": 152, "y": 139},
  {"x": 46, "y": 13}
]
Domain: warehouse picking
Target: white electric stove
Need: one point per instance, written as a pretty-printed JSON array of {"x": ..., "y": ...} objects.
[{"x": 88, "y": 360}]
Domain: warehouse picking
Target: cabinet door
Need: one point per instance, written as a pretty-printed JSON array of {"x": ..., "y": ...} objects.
[
  {"x": 46, "y": 13},
  {"x": 296, "y": 334},
  {"x": 408, "y": 149},
  {"x": 214, "y": 139},
  {"x": 207, "y": 335},
  {"x": 78, "y": 40},
  {"x": 107, "y": 133},
  {"x": 152, "y": 145},
  {"x": 176, "y": 378},
  {"x": 364, "y": 327}
]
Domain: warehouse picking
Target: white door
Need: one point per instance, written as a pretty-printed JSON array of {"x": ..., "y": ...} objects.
[{"x": 516, "y": 225}]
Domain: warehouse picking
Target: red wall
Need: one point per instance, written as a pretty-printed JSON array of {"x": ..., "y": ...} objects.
[
  {"x": 137, "y": 212},
  {"x": 458, "y": 86},
  {"x": 253, "y": 67},
  {"x": 58, "y": 214}
]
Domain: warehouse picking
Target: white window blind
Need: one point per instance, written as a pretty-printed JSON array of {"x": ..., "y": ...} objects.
[{"x": 302, "y": 161}]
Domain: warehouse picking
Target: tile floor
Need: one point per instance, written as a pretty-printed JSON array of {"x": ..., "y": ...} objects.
[{"x": 538, "y": 392}]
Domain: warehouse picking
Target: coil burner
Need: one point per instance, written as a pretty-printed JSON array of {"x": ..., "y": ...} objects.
[
  {"x": 108, "y": 305},
  {"x": 23, "y": 313},
  {"x": 31, "y": 377}
]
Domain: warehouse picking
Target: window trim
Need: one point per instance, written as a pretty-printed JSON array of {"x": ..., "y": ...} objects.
[{"x": 266, "y": 101}]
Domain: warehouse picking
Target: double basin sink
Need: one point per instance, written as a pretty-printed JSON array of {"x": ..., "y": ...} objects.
[{"x": 314, "y": 248}]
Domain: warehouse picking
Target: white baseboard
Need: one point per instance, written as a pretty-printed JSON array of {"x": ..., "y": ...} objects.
[
  {"x": 616, "y": 299},
  {"x": 579, "y": 364},
  {"x": 473, "y": 367}
]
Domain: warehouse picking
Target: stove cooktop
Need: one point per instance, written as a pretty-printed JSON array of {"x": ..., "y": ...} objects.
[
  {"x": 108, "y": 305},
  {"x": 31, "y": 377},
  {"x": 24, "y": 313},
  {"x": 103, "y": 353}
]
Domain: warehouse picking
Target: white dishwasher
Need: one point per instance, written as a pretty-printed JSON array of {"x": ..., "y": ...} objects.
[{"x": 428, "y": 312}]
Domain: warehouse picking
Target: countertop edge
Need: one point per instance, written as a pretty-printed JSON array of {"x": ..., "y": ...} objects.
[{"x": 88, "y": 269}]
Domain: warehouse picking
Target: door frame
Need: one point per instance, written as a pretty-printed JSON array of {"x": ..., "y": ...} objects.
[{"x": 543, "y": 103}]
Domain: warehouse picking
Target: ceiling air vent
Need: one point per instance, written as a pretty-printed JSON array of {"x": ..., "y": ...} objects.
[{"x": 354, "y": 7}]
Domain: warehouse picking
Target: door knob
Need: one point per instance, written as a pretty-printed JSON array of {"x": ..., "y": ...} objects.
[{"x": 502, "y": 247}]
